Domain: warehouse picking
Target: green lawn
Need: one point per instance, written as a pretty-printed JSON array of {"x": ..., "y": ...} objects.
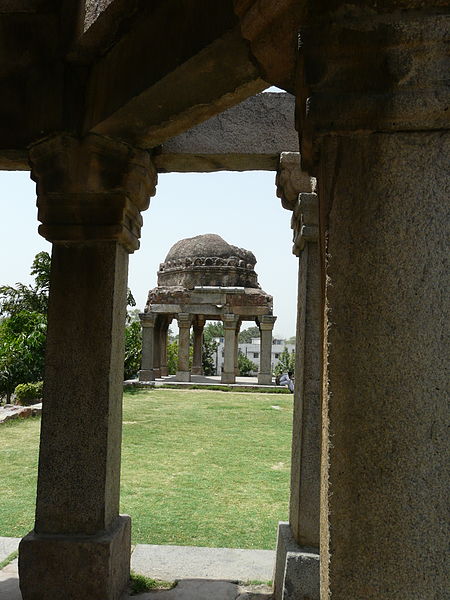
[{"x": 201, "y": 468}]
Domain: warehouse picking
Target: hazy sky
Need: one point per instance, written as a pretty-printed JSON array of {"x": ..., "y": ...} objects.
[{"x": 241, "y": 207}]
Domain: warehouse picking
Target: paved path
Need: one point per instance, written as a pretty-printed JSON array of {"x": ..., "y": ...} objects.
[{"x": 203, "y": 573}]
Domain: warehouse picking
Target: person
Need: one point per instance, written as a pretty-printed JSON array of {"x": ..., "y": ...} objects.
[{"x": 288, "y": 379}]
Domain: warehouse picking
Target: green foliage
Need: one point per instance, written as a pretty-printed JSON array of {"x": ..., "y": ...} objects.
[
  {"x": 133, "y": 350},
  {"x": 140, "y": 584},
  {"x": 209, "y": 348},
  {"x": 245, "y": 365},
  {"x": 172, "y": 357},
  {"x": 213, "y": 330},
  {"x": 22, "y": 348},
  {"x": 286, "y": 362},
  {"x": 29, "y": 393},
  {"x": 28, "y": 298},
  {"x": 246, "y": 335},
  {"x": 9, "y": 559}
]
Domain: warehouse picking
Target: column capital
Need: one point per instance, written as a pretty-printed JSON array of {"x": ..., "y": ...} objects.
[
  {"x": 184, "y": 319},
  {"x": 91, "y": 189},
  {"x": 147, "y": 319},
  {"x": 199, "y": 321},
  {"x": 305, "y": 221},
  {"x": 366, "y": 71},
  {"x": 291, "y": 180},
  {"x": 230, "y": 321},
  {"x": 266, "y": 322}
]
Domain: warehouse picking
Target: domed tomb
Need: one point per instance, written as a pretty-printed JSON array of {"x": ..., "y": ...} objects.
[{"x": 207, "y": 260}]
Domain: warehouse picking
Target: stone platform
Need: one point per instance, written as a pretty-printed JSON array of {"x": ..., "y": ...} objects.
[
  {"x": 202, "y": 573},
  {"x": 203, "y": 380}
]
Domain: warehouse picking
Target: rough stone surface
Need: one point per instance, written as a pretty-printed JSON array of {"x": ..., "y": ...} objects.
[
  {"x": 94, "y": 567},
  {"x": 19, "y": 412},
  {"x": 385, "y": 407},
  {"x": 181, "y": 562},
  {"x": 249, "y": 136}
]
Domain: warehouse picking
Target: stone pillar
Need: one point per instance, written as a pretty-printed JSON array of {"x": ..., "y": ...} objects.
[
  {"x": 297, "y": 562},
  {"x": 157, "y": 346},
  {"x": 380, "y": 149},
  {"x": 198, "y": 326},
  {"x": 148, "y": 346},
  {"x": 265, "y": 323},
  {"x": 236, "y": 348},
  {"x": 90, "y": 194},
  {"x": 230, "y": 322},
  {"x": 164, "y": 333},
  {"x": 184, "y": 324}
]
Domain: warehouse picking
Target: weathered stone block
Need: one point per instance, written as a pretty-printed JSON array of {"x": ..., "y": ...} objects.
[{"x": 95, "y": 567}]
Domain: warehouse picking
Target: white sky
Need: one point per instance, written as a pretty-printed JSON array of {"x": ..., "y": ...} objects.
[{"x": 241, "y": 207}]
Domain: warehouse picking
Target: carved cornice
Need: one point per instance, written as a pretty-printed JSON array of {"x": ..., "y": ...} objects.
[
  {"x": 91, "y": 189},
  {"x": 291, "y": 180},
  {"x": 230, "y": 321},
  {"x": 204, "y": 261},
  {"x": 147, "y": 319},
  {"x": 184, "y": 320},
  {"x": 266, "y": 322},
  {"x": 305, "y": 222}
]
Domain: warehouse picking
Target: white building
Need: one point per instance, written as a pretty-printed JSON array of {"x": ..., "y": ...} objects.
[{"x": 252, "y": 352}]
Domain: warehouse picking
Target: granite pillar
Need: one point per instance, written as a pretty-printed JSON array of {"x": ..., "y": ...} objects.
[
  {"x": 80, "y": 545},
  {"x": 157, "y": 346},
  {"x": 380, "y": 150},
  {"x": 236, "y": 348},
  {"x": 164, "y": 334},
  {"x": 147, "y": 372},
  {"x": 198, "y": 326},
  {"x": 230, "y": 322},
  {"x": 184, "y": 324},
  {"x": 297, "y": 563},
  {"x": 265, "y": 323}
]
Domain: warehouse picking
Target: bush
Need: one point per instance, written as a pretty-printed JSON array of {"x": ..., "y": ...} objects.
[{"x": 28, "y": 393}]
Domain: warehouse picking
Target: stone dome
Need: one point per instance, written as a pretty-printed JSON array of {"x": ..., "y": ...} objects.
[{"x": 207, "y": 260}]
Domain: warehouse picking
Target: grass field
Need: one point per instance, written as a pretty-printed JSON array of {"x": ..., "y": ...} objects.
[{"x": 201, "y": 468}]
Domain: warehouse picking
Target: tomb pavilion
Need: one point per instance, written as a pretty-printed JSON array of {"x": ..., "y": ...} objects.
[{"x": 203, "y": 278}]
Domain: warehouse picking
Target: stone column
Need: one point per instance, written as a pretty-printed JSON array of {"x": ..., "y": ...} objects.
[
  {"x": 184, "y": 324},
  {"x": 265, "y": 323},
  {"x": 157, "y": 346},
  {"x": 90, "y": 194},
  {"x": 236, "y": 347},
  {"x": 380, "y": 149},
  {"x": 297, "y": 562},
  {"x": 230, "y": 322},
  {"x": 148, "y": 342},
  {"x": 198, "y": 326},
  {"x": 164, "y": 332}
]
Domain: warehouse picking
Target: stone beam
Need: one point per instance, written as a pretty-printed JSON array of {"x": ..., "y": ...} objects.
[
  {"x": 174, "y": 66},
  {"x": 247, "y": 137}
]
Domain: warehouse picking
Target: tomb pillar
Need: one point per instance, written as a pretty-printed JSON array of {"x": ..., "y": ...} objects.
[
  {"x": 90, "y": 194},
  {"x": 157, "y": 346},
  {"x": 236, "y": 347},
  {"x": 372, "y": 112},
  {"x": 164, "y": 333},
  {"x": 297, "y": 562},
  {"x": 147, "y": 372},
  {"x": 265, "y": 323},
  {"x": 184, "y": 324},
  {"x": 230, "y": 322},
  {"x": 198, "y": 326}
]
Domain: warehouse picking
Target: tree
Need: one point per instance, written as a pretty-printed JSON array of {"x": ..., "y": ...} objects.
[
  {"x": 246, "y": 335},
  {"x": 286, "y": 362},
  {"x": 209, "y": 348},
  {"x": 172, "y": 357},
  {"x": 245, "y": 365},
  {"x": 213, "y": 330},
  {"x": 133, "y": 350}
]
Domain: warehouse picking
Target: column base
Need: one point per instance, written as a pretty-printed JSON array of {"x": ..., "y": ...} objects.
[
  {"x": 183, "y": 376},
  {"x": 157, "y": 373},
  {"x": 297, "y": 573},
  {"x": 228, "y": 378},
  {"x": 73, "y": 567},
  {"x": 197, "y": 370},
  {"x": 164, "y": 371},
  {"x": 265, "y": 378},
  {"x": 146, "y": 375}
]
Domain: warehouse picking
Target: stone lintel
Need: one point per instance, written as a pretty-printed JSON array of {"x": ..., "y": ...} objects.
[
  {"x": 248, "y": 136},
  {"x": 95, "y": 567},
  {"x": 296, "y": 575}
]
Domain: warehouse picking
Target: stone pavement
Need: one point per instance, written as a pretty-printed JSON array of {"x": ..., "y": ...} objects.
[{"x": 202, "y": 573}]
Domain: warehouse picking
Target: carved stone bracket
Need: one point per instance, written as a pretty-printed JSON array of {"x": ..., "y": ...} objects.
[
  {"x": 91, "y": 189},
  {"x": 184, "y": 320},
  {"x": 147, "y": 319},
  {"x": 305, "y": 221},
  {"x": 291, "y": 180},
  {"x": 230, "y": 321},
  {"x": 266, "y": 322}
]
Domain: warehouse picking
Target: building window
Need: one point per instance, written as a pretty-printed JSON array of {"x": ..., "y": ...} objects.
[
  {"x": 255, "y": 354},
  {"x": 277, "y": 354}
]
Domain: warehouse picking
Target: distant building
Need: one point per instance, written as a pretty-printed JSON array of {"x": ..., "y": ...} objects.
[{"x": 252, "y": 350}]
